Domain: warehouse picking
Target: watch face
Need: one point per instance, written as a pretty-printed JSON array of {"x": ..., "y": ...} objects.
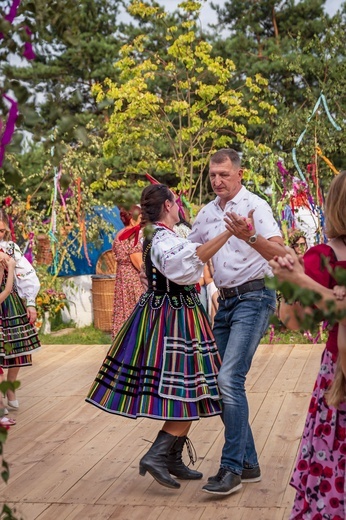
[{"x": 253, "y": 239}]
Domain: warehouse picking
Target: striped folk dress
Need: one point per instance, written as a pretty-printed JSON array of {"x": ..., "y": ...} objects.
[
  {"x": 163, "y": 363},
  {"x": 18, "y": 339}
]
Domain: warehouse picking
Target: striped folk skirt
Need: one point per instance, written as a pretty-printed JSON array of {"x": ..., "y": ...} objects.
[
  {"x": 163, "y": 364},
  {"x": 18, "y": 339}
]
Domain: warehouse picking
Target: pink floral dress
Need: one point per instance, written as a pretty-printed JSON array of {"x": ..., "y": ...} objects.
[
  {"x": 128, "y": 287},
  {"x": 319, "y": 474}
]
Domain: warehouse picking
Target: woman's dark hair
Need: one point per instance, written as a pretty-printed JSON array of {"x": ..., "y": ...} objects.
[
  {"x": 182, "y": 220},
  {"x": 152, "y": 201},
  {"x": 125, "y": 216}
]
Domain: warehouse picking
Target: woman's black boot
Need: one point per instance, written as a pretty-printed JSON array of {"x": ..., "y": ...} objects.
[
  {"x": 155, "y": 461},
  {"x": 175, "y": 462}
]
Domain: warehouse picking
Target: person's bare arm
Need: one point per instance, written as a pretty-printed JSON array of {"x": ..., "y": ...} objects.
[
  {"x": 10, "y": 277},
  {"x": 342, "y": 347},
  {"x": 207, "y": 276},
  {"x": 243, "y": 228},
  {"x": 288, "y": 268},
  {"x": 207, "y": 250}
]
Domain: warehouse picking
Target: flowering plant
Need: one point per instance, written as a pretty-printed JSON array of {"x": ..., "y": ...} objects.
[{"x": 52, "y": 301}]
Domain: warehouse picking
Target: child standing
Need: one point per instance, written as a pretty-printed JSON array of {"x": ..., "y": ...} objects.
[
  {"x": 18, "y": 312},
  {"x": 9, "y": 263}
]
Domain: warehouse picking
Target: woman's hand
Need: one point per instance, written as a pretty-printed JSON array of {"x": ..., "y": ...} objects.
[
  {"x": 288, "y": 267},
  {"x": 4, "y": 259},
  {"x": 9, "y": 263},
  {"x": 241, "y": 227},
  {"x": 32, "y": 314},
  {"x": 339, "y": 292}
]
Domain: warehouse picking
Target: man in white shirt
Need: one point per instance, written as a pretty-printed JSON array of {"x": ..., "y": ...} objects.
[{"x": 245, "y": 305}]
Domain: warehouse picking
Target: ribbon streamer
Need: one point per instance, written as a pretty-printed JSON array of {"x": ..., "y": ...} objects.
[
  {"x": 6, "y": 136},
  {"x": 82, "y": 221},
  {"x": 326, "y": 160},
  {"x": 322, "y": 99}
]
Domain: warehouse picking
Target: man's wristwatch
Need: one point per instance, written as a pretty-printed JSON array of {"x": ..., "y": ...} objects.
[{"x": 252, "y": 239}]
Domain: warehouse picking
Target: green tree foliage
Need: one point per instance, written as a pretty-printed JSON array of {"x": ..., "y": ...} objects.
[
  {"x": 300, "y": 50},
  {"x": 75, "y": 45},
  {"x": 174, "y": 131},
  {"x": 262, "y": 38}
]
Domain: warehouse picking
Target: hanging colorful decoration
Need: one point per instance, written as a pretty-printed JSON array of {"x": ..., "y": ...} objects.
[
  {"x": 181, "y": 200},
  {"x": 326, "y": 160},
  {"x": 6, "y": 131},
  {"x": 297, "y": 195},
  {"x": 81, "y": 221},
  {"x": 320, "y": 100}
]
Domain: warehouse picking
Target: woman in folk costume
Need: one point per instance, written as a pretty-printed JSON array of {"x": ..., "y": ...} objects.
[
  {"x": 9, "y": 264},
  {"x": 18, "y": 312},
  {"x": 164, "y": 362}
]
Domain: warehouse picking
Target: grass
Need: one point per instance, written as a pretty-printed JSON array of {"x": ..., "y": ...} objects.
[
  {"x": 91, "y": 336},
  {"x": 288, "y": 337},
  {"x": 76, "y": 336}
]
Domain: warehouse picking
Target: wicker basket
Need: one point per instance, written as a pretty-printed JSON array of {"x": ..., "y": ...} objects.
[
  {"x": 44, "y": 253},
  {"x": 103, "y": 297},
  {"x": 106, "y": 264}
]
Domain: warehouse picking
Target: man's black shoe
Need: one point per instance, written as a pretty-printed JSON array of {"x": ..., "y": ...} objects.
[
  {"x": 225, "y": 483},
  {"x": 248, "y": 475},
  {"x": 251, "y": 474}
]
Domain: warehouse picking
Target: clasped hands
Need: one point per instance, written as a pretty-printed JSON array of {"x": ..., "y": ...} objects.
[
  {"x": 241, "y": 227},
  {"x": 289, "y": 267},
  {"x": 6, "y": 260}
]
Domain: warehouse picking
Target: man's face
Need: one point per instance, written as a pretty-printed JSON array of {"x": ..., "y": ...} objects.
[{"x": 225, "y": 179}]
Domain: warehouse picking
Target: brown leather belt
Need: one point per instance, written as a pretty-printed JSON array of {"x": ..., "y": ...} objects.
[{"x": 254, "y": 285}]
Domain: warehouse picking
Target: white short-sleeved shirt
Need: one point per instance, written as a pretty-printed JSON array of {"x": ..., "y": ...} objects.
[
  {"x": 176, "y": 258},
  {"x": 236, "y": 262}
]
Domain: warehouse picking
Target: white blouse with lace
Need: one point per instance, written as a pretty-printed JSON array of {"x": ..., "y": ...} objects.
[
  {"x": 176, "y": 257},
  {"x": 26, "y": 279}
]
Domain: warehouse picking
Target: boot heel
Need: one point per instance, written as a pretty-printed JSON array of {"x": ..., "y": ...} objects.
[{"x": 142, "y": 470}]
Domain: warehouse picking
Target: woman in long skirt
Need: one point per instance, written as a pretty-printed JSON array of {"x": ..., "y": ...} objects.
[{"x": 163, "y": 363}]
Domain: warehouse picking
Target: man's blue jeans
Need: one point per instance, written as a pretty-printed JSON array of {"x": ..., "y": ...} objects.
[{"x": 239, "y": 325}]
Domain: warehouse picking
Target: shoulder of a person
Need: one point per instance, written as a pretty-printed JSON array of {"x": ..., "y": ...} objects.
[
  {"x": 11, "y": 246},
  {"x": 319, "y": 249},
  {"x": 315, "y": 253},
  {"x": 256, "y": 199},
  {"x": 160, "y": 233},
  {"x": 206, "y": 207}
]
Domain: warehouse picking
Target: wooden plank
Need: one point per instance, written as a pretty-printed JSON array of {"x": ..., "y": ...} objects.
[
  {"x": 291, "y": 370},
  {"x": 26, "y": 511},
  {"x": 228, "y": 512},
  {"x": 274, "y": 359},
  {"x": 306, "y": 380},
  {"x": 278, "y": 452},
  {"x": 69, "y": 460}
]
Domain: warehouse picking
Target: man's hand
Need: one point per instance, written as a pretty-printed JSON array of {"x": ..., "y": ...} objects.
[{"x": 241, "y": 227}]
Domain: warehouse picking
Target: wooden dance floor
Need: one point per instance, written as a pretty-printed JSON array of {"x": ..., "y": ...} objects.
[{"x": 69, "y": 460}]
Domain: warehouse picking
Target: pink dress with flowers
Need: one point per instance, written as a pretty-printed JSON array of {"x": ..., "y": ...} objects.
[
  {"x": 128, "y": 287},
  {"x": 319, "y": 474}
]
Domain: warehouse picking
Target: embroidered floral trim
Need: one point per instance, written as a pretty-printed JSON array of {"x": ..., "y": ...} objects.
[{"x": 176, "y": 301}]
